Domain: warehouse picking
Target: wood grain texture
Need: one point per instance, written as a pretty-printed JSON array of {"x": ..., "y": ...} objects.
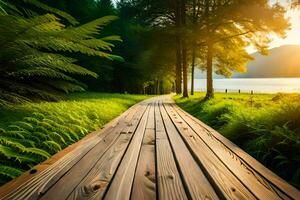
[
  {"x": 50, "y": 171},
  {"x": 226, "y": 184},
  {"x": 197, "y": 185},
  {"x": 121, "y": 184},
  {"x": 75, "y": 175},
  {"x": 169, "y": 182},
  {"x": 257, "y": 183},
  {"x": 152, "y": 151},
  {"x": 144, "y": 184},
  {"x": 95, "y": 183}
]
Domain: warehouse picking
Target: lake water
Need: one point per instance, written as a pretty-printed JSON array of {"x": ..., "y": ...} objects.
[{"x": 258, "y": 85}]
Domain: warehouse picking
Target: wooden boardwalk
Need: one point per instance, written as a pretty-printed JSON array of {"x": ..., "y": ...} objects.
[{"x": 154, "y": 150}]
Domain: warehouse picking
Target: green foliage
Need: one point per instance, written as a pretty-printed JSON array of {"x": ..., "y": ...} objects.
[
  {"x": 36, "y": 51},
  {"x": 8, "y": 173},
  {"x": 43, "y": 129},
  {"x": 266, "y": 126}
]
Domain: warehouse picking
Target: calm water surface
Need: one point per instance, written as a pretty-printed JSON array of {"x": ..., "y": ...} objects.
[{"x": 258, "y": 85}]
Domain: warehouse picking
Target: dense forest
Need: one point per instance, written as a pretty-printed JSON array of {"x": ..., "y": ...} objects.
[{"x": 127, "y": 47}]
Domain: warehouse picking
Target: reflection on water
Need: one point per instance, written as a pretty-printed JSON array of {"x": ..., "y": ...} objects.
[{"x": 258, "y": 85}]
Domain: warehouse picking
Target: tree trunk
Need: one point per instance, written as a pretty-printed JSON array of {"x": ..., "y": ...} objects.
[
  {"x": 184, "y": 69},
  {"x": 193, "y": 49},
  {"x": 178, "y": 66},
  {"x": 209, "y": 71},
  {"x": 178, "y": 49},
  {"x": 184, "y": 49},
  {"x": 193, "y": 69},
  {"x": 158, "y": 87}
]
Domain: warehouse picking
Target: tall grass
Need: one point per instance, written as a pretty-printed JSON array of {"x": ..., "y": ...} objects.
[
  {"x": 265, "y": 126},
  {"x": 32, "y": 132}
]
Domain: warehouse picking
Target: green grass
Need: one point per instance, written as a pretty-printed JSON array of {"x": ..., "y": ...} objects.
[
  {"x": 32, "y": 132},
  {"x": 267, "y": 126}
]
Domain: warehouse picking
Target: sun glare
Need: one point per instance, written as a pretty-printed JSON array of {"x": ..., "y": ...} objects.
[{"x": 292, "y": 35}]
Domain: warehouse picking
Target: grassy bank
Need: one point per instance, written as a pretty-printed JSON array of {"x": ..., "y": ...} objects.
[
  {"x": 266, "y": 126},
  {"x": 32, "y": 132}
]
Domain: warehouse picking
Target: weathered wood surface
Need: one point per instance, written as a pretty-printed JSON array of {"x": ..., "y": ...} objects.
[{"x": 155, "y": 150}]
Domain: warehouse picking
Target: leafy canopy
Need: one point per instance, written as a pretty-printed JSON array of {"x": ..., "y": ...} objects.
[{"x": 229, "y": 26}]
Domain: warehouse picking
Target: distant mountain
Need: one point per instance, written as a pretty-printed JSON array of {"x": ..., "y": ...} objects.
[{"x": 282, "y": 61}]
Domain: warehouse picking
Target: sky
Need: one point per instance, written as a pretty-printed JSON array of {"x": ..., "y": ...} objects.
[{"x": 293, "y": 35}]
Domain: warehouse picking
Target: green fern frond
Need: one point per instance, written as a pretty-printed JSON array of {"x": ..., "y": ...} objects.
[
  {"x": 37, "y": 69},
  {"x": 42, "y": 72},
  {"x": 55, "y": 147},
  {"x": 82, "y": 130},
  {"x": 38, "y": 152},
  {"x": 10, "y": 172},
  {"x": 88, "y": 30},
  {"x": 65, "y": 86},
  {"x": 24, "y": 142},
  {"x": 24, "y": 125},
  {"x": 112, "y": 38},
  {"x": 97, "y": 44},
  {"x": 41, "y": 136},
  {"x": 31, "y": 120},
  {"x": 15, "y": 128},
  {"x": 39, "y": 116},
  {"x": 14, "y": 134},
  {"x": 64, "y": 15},
  {"x": 10, "y": 153},
  {"x": 56, "y": 61}
]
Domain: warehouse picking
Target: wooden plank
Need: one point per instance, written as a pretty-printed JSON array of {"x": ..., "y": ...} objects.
[
  {"x": 226, "y": 184},
  {"x": 94, "y": 185},
  {"x": 254, "y": 175},
  {"x": 169, "y": 182},
  {"x": 31, "y": 187},
  {"x": 266, "y": 177},
  {"x": 76, "y": 174},
  {"x": 87, "y": 141},
  {"x": 197, "y": 185},
  {"x": 144, "y": 184},
  {"x": 121, "y": 184}
]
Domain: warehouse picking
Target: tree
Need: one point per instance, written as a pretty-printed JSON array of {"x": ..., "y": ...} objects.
[
  {"x": 36, "y": 52},
  {"x": 230, "y": 26},
  {"x": 184, "y": 49},
  {"x": 148, "y": 63},
  {"x": 195, "y": 22}
]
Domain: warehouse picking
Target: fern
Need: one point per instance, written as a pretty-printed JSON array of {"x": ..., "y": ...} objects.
[
  {"x": 25, "y": 142},
  {"x": 33, "y": 49},
  {"x": 40, "y": 5},
  {"x": 52, "y": 146},
  {"x": 10, "y": 153},
  {"x": 14, "y": 134},
  {"x": 50, "y": 127},
  {"x": 10, "y": 172},
  {"x": 37, "y": 152},
  {"x": 24, "y": 125}
]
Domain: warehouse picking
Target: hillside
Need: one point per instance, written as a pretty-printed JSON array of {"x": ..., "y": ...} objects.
[{"x": 281, "y": 62}]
